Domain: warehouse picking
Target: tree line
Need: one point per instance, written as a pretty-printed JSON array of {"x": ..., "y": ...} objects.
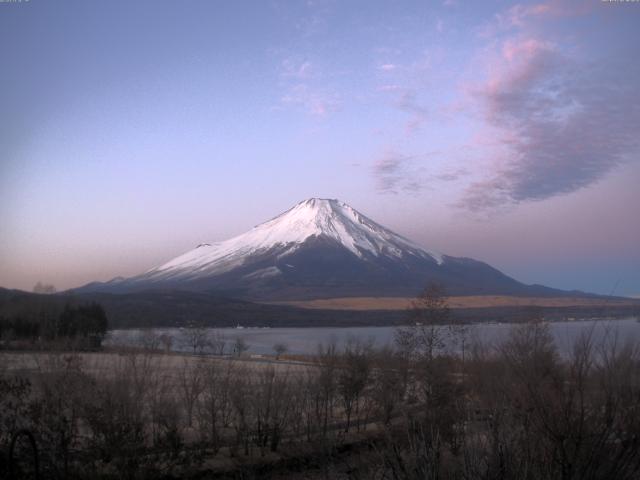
[{"x": 84, "y": 324}]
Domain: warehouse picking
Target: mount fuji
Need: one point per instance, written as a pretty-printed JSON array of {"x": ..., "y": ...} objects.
[{"x": 320, "y": 248}]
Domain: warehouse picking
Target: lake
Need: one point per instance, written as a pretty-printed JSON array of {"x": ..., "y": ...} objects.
[{"x": 306, "y": 340}]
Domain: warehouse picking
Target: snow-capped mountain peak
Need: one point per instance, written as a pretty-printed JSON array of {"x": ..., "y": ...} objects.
[
  {"x": 319, "y": 248},
  {"x": 337, "y": 220},
  {"x": 313, "y": 218}
]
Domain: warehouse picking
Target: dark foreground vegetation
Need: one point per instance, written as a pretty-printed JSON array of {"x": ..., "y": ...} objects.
[{"x": 511, "y": 411}]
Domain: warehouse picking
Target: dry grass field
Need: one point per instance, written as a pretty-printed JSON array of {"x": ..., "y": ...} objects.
[
  {"x": 473, "y": 301},
  {"x": 107, "y": 364},
  {"x": 355, "y": 413}
]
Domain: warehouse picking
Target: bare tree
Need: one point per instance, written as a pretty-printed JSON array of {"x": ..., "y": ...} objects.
[
  {"x": 326, "y": 384},
  {"x": 406, "y": 341},
  {"x": 240, "y": 346},
  {"x": 270, "y": 407},
  {"x": 428, "y": 312},
  {"x": 149, "y": 340},
  {"x": 280, "y": 349},
  {"x": 196, "y": 336},
  {"x": 353, "y": 377},
  {"x": 388, "y": 383},
  {"x": 218, "y": 343},
  {"x": 240, "y": 396},
  {"x": 212, "y": 403},
  {"x": 459, "y": 333},
  {"x": 166, "y": 341},
  {"x": 190, "y": 383},
  {"x": 115, "y": 415}
]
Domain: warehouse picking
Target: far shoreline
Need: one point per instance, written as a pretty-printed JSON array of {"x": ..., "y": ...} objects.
[{"x": 457, "y": 302}]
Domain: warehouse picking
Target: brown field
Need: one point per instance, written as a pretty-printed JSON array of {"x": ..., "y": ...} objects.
[
  {"x": 477, "y": 301},
  {"x": 107, "y": 364}
]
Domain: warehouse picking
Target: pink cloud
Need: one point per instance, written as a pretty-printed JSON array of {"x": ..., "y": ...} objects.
[
  {"x": 558, "y": 125},
  {"x": 512, "y": 50},
  {"x": 519, "y": 15},
  {"x": 514, "y": 73}
]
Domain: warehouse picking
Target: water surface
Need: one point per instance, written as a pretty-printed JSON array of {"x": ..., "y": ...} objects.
[{"x": 306, "y": 340}]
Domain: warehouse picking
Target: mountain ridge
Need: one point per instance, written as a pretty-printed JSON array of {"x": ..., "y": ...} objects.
[{"x": 321, "y": 248}]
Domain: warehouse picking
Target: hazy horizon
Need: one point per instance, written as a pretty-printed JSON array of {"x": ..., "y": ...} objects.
[{"x": 502, "y": 131}]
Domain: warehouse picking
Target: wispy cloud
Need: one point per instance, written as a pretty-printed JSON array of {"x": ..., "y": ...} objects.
[
  {"x": 292, "y": 68},
  {"x": 404, "y": 84},
  {"x": 451, "y": 175},
  {"x": 559, "y": 124},
  {"x": 314, "y": 101},
  {"x": 395, "y": 172},
  {"x": 305, "y": 87},
  {"x": 521, "y": 17},
  {"x": 408, "y": 102},
  {"x": 309, "y": 19},
  {"x": 406, "y": 99},
  {"x": 518, "y": 15},
  {"x": 392, "y": 173}
]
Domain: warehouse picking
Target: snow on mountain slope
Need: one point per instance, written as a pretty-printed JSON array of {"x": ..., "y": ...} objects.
[
  {"x": 319, "y": 249},
  {"x": 314, "y": 217}
]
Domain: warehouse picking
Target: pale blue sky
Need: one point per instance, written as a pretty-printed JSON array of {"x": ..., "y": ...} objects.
[{"x": 502, "y": 131}]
